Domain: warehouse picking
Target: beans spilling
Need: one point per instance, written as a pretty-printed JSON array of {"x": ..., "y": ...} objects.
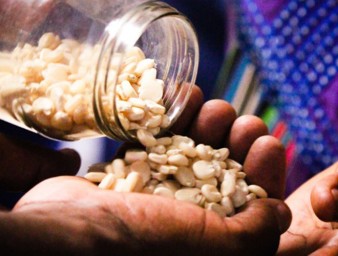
[
  {"x": 53, "y": 81},
  {"x": 175, "y": 167}
]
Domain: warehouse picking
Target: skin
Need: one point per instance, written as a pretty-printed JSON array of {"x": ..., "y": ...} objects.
[
  {"x": 314, "y": 207},
  {"x": 69, "y": 215}
]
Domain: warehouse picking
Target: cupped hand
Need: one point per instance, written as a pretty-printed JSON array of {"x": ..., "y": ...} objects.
[
  {"x": 71, "y": 215},
  {"x": 314, "y": 227}
]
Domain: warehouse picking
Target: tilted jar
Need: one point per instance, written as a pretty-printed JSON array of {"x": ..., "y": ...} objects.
[{"x": 68, "y": 68}]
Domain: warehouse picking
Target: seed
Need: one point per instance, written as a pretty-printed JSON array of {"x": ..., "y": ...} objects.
[
  {"x": 121, "y": 185},
  {"x": 143, "y": 65},
  {"x": 211, "y": 181},
  {"x": 43, "y": 105},
  {"x": 203, "y": 170},
  {"x": 134, "y": 182},
  {"x": 146, "y": 138},
  {"x": 56, "y": 72},
  {"x": 73, "y": 103},
  {"x": 95, "y": 176},
  {"x": 221, "y": 154},
  {"x": 178, "y": 160},
  {"x": 167, "y": 169},
  {"x": 179, "y": 140},
  {"x": 166, "y": 121},
  {"x": 192, "y": 195},
  {"x": 232, "y": 164},
  {"x": 135, "y": 114},
  {"x": 123, "y": 106},
  {"x": 155, "y": 107},
  {"x": 143, "y": 169},
  {"x": 147, "y": 75},
  {"x": 135, "y": 155},
  {"x": 152, "y": 90},
  {"x": 154, "y": 121},
  {"x": 157, "y": 158},
  {"x": 163, "y": 191},
  {"x": 239, "y": 197},
  {"x": 119, "y": 168},
  {"x": 228, "y": 185},
  {"x": 127, "y": 90},
  {"x": 165, "y": 141},
  {"x": 137, "y": 102},
  {"x": 204, "y": 152},
  {"x": 211, "y": 193},
  {"x": 108, "y": 181},
  {"x": 228, "y": 206},
  {"x": 188, "y": 150},
  {"x": 48, "y": 55},
  {"x": 158, "y": 149},
  {"x": 258, "y": 191},
  {"x": 243, "y": 185},
  {"x": 185, "y": 176},
  {"x": 49, "y": 40},
  {"x": 159, "y": 176},
  {"x": 250, "y": 197}
]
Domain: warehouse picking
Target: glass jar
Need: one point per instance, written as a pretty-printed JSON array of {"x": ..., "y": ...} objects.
[{"x": 76, "y": 69}]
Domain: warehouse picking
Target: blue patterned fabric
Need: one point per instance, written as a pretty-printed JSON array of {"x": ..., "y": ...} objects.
[{"x": 295, "y": 46}]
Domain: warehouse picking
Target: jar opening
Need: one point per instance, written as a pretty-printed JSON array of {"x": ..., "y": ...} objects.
[{"x": 165, "y": 36}]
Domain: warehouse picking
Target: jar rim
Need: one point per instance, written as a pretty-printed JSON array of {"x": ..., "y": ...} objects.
[{"x": 124, "y": 33}]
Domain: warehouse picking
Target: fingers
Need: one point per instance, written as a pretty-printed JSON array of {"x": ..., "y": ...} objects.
[
  {"x": 162, "y": 226},
  {"x": 265, "y": 165},
  {"x": 24, "y": 164},
  {"x": 213, "y": 123},
  {"x": 263, "y": 219},
  {"x": 244, "y": 131},
  {"x": 324, "y": 198},
  {"x": 194, "y": 104}
]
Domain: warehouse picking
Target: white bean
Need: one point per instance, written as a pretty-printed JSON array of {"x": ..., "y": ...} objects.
[
  {"x": 135, "y": 155},
  {"x": 108, "y": 181},
  {"x": 211, "y": 193},
  {"x": 191, "y": 195},
  {"x": 203, "y": 170},
  {"x": 185, "y": 176},
  {"x": 258, "y": 191},
  {"x": 95, "y": 176}
]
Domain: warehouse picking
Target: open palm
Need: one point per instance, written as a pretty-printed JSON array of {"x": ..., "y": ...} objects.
[
  {"x": 314, "y": 217},
  {"x": 70, "y": 215}
]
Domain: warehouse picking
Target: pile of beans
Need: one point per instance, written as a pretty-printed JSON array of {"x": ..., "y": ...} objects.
[
  {"x": 53, "y": 83},
  {"x": 177, "y": 168}
]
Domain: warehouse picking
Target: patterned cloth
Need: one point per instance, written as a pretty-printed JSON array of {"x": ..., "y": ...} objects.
[{"x": 295, "y": 45}]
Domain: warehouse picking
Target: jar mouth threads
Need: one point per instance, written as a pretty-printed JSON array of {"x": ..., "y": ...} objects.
[{"x": 163, "y": 35}]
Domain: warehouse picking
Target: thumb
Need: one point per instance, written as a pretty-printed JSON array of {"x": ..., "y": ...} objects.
[
  {"x": 324, "y": 198},
  {"x": 24, "y": 164},
  {"x": 257, "y": 228}
]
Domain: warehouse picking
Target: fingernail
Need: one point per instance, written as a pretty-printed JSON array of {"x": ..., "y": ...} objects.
[{"x": 284, "y": 217}]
